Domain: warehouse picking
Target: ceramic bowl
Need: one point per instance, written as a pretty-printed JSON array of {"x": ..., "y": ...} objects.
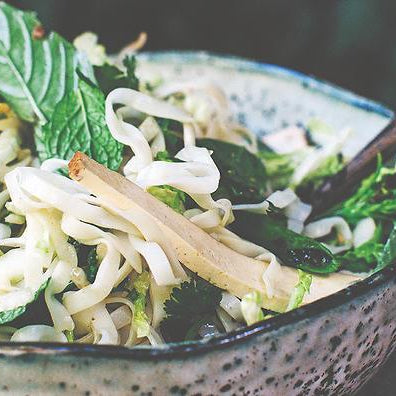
[{"x": 332, "y": 346}]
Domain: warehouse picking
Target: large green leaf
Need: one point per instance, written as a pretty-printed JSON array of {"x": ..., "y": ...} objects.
[
  {"x": 78, "y": 124},
  {"x": 10, "y": 315},
  {"x": 36, "y": 71}
]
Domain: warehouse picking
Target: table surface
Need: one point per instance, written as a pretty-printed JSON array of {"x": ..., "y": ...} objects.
[{"x": 384, "y": 382}]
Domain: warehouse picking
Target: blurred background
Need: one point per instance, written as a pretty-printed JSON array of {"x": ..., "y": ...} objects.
[{"x": 348, "y": 42}]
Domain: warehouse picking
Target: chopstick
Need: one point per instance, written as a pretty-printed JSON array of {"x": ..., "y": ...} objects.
[{"x": 197, "y": 250}]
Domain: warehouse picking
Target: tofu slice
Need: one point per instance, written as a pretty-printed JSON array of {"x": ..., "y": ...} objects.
[{"x": 197, "y": 250}]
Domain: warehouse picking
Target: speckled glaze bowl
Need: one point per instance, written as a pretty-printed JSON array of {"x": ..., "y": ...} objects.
[{"x": 332, "y": 346}]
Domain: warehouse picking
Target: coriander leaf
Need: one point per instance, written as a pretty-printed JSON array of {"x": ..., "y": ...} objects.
[
  {"x": 187, "y": 305},
  {"x": 78, "y": 124},
  {"x": 110, "y": 77},
  {"x": 36, "y": 70},
  {"x": 364, "y": 257},
  {"x": 12, "y": 314},
  {"x": 303, "y": 286},
  {"x": 169, "y": 196},
  {"x": 388, "y": 255},
  {"x": 294, "y": 250},
  {"x": 376, "y": 198},
  {"x": 130, "y": 65}
]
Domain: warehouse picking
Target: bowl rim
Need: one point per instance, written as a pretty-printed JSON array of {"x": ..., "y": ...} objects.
[{"x": 246, "y": 333}]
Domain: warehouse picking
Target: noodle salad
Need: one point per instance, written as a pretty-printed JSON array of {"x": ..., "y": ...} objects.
[{"x": 74, "y": 269}]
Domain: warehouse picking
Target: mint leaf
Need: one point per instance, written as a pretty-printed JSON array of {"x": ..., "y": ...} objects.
[
  {"x": 78, "y": 124},
  {"x": 243, "y": 175},
  {"x": 36, "y": 71},
  {"x": 10, "y": 315},
  {"x": 110, "y": 77},
  {"x": 295, "y": 250}
]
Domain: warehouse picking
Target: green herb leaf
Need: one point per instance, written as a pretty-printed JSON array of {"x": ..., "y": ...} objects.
[
  {"x": 251, "y": 308},
  {"x": 87, "y": 259},
  {"x": 36, "y": 70},
  {"x": 303, "y": 286},
  {"x": 366, "y": 256},
  {"x": 12, "y": 314},
  {"x": 376, "y": 198},
  {"x": 69, "y": 335},
  {"x": 329, "y": 167},
  {"x": 294, "y": 250},
  {"x": 110, "y": 77},
  {"x": 279, "y": 167},
  {"x": 243, "y": 175},
  {"x": 187, "y": 305},
  {"x": 388, "y": 256},
  {"x": 78, "y": 124}
]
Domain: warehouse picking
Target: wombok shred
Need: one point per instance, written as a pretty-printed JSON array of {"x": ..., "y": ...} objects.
[
  {"x": 363, "y": 232},
  {"x": 231, "y": 305},
  {"x": 38, "y": 333},
  {"x": 314, "y": 159},
  {"x": 208, "y": 105},
  {"x": 323, "y": 227},
  {"x": 251, "y": 308}
]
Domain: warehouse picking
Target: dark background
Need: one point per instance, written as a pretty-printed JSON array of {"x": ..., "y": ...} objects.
[{"x": 349, "y": 42}]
